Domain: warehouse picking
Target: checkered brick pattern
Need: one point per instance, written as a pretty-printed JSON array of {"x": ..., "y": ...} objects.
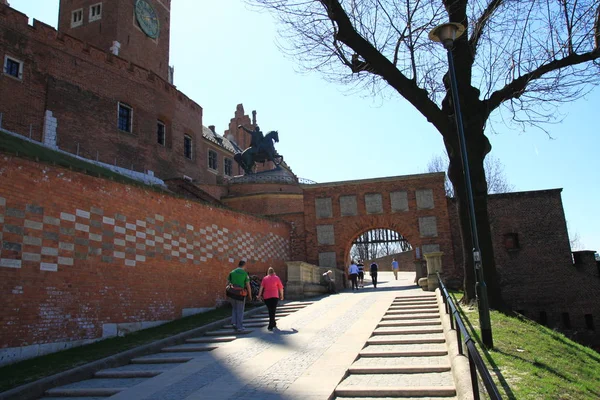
[{"x": 58, "y": 241}]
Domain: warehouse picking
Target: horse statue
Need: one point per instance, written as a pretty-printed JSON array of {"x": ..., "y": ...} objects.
[{"x": 260, "y": 152}]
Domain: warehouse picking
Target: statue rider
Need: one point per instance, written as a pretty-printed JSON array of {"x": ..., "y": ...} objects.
[{"x": 257, "y": 138}]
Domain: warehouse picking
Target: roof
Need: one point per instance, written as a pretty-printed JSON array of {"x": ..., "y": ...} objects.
[{"x": 220, "y": 141}]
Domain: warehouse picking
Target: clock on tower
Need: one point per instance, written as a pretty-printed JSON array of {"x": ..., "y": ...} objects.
[
  {"x": 142, "y": 28},
  {"x": 147, "y": 18}
]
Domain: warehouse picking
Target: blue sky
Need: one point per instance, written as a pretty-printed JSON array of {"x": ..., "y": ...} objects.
[{"x": 225, "y": 54}]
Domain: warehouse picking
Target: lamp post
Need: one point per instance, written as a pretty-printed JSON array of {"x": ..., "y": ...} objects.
[{"x": 447, "y": 34}]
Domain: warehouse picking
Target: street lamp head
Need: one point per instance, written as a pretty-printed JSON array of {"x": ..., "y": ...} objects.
[{"x": 447, "y": 33}]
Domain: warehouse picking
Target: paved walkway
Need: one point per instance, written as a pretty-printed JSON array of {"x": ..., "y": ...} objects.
[{"x": 306, "y": 359}]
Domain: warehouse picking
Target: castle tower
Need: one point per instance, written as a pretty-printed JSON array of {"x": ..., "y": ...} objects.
[{"x": 136, "y": 30}]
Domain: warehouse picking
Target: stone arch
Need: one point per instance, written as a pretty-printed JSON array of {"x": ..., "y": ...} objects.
[{"x": 336, "y": 213}]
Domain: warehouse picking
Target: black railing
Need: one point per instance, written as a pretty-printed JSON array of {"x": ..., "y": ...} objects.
[{"x": 476, "y": 364}]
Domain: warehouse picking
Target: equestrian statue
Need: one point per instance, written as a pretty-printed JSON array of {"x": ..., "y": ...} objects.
[{"x": 261, "y": 150}]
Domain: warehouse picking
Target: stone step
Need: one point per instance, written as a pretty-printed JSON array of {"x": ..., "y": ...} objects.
[
  {"x": 406, "y": 339},
  {"x": 393, "y": 330},
  {"x": 127, "y": 374},
  {"x": 412, "y": 312},
  {"x": 250, "y": 324},
  {"x": 407, "y": 353},
  {"x": 404, "y": 350},
  {"x": 258, "y": 318},
  {"x": 414, "y": 302},
  {"x": 389, "y": 398},
  {"x": 156, "y": 359},
  {"x": 397, "y": 385},
  {"x": 73, "y": 398},
  {"x": 396, "y": 392},
  {"x": 225, "y": 332},
  {"x": 82, "y": 393},
  {"x": 397, "y": 369},
  {"x": 421, "y": 322},
  {"x": 182, "y": 348},
  {"x": 424, "y": 297},
  {"x": 399, "y": 317},
  {"x": 211, "y": 339},
  {"x": 94, "y": 387},
  {"x": 414, "y": 307},
  {"x": 277, "y": 314},
  {"x": 404, "y": 361}
]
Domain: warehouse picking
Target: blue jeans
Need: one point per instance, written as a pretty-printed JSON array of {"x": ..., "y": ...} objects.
[{"x": 237, "y": 314}]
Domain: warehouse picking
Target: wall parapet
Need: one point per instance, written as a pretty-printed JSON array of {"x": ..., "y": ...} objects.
[{"x": 306, "y": 280}]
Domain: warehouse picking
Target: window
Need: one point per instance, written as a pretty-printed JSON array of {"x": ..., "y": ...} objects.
[
  {"x": 95, "y": 12},
  {"x": 228, "y": 167},
  {"x": 212, "y": 160},
  {"x": 566, "y": 320},
  {"x": 160, "y": 133},
  {"x": 13, "y": 67},
  {"x": 589, "y": 322},
  {"x": 77, "y": 18},
  {"x": 187, "y": 147},
  {"x": 125, "y": 117},
  {"x": 511, "y": 241}
]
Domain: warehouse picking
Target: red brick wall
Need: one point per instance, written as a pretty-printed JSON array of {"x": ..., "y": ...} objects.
[
  {"x": 82, "y": 85},
  {"x": 79, "y": 252},
  {"x": 539, "y": 276},
  {"x": 118, "y": 23},
  {"x": 347, "y": 228}
]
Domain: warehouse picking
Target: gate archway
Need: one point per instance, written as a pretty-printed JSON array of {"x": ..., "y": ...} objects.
[{"x": 336, "y": 213}]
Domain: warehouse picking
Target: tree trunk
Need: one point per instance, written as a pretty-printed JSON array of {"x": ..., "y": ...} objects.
[{"x": 477, "y": 148}]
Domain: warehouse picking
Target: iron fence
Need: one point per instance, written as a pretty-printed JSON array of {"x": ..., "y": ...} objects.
[{"x": 476, "y": 364}]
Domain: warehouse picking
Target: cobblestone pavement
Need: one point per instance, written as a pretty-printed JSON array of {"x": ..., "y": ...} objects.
[{"x": 306, "y": 359}]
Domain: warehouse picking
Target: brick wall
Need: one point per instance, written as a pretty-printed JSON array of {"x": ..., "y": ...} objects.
[
  {"x": 386, "y": 203},
  {"x": 80, "y": 254},
  {"x": 118, "y": 23},
  {"x": 538, "y": 275},
  {"x": 82, "y": 85}
]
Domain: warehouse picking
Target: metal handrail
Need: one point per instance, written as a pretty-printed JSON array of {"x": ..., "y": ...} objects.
[{"x": 476, "y": 363}]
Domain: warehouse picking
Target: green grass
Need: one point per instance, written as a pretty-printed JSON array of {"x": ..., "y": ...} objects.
[
  {"x": 530, "y": 361},
  {"x": 30, "y": 370}
]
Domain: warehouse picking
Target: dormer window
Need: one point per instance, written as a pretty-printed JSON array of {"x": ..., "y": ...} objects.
[
  {"x": 95, "y": 12},
  {"x": 77, "y": 18}
]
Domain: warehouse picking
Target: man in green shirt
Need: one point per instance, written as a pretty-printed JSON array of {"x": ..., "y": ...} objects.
[{"x": 239, "y": 277}]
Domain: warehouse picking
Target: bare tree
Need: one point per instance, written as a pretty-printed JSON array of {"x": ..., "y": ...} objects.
[
  {"x": 378, "y": 243},
  {"x": 574, "y": 239},
  {"x": 494, "y": 174},
  {"x": 521, "y": 57}
]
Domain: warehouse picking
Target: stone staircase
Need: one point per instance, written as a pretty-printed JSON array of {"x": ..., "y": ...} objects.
[
  {"x": 405, "y": 358},
  {"x": 108, "y": 382}
]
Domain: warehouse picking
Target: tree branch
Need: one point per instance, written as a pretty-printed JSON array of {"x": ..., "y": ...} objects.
[
  {"x": 380, "y": 65},
  {"x": 480, "y": 24},
  {"x": 517, "y": 87}
]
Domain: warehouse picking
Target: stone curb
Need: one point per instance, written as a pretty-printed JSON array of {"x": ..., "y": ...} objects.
[
  {"x": 461, "y": 372},
  {"x": 36, "y": 389}
]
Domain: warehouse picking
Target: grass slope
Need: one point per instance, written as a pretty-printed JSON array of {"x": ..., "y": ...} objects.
[
  {"x": 36, "y": 368},
  {"x": 530, "y": 361}
]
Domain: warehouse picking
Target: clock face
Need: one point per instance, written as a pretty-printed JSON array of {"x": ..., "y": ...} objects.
[{"x": 147, "y": 18}]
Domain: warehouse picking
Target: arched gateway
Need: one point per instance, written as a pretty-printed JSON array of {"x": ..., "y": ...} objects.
[{"x": 336, "y": 213}]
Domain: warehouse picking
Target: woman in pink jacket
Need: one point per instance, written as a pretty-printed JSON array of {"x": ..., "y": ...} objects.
[{"x": 271, "y": 291}]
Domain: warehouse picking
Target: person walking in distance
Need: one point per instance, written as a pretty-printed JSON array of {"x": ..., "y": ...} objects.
[
  {"x": 373, "y": 273},
  {"x": 239, "y": 277},
  {"x": 395, "y": 268},
  {"x": 353, "y": 275},
  {"x": 361, "y": 274},
  {"x": 271, "y": 291}
]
